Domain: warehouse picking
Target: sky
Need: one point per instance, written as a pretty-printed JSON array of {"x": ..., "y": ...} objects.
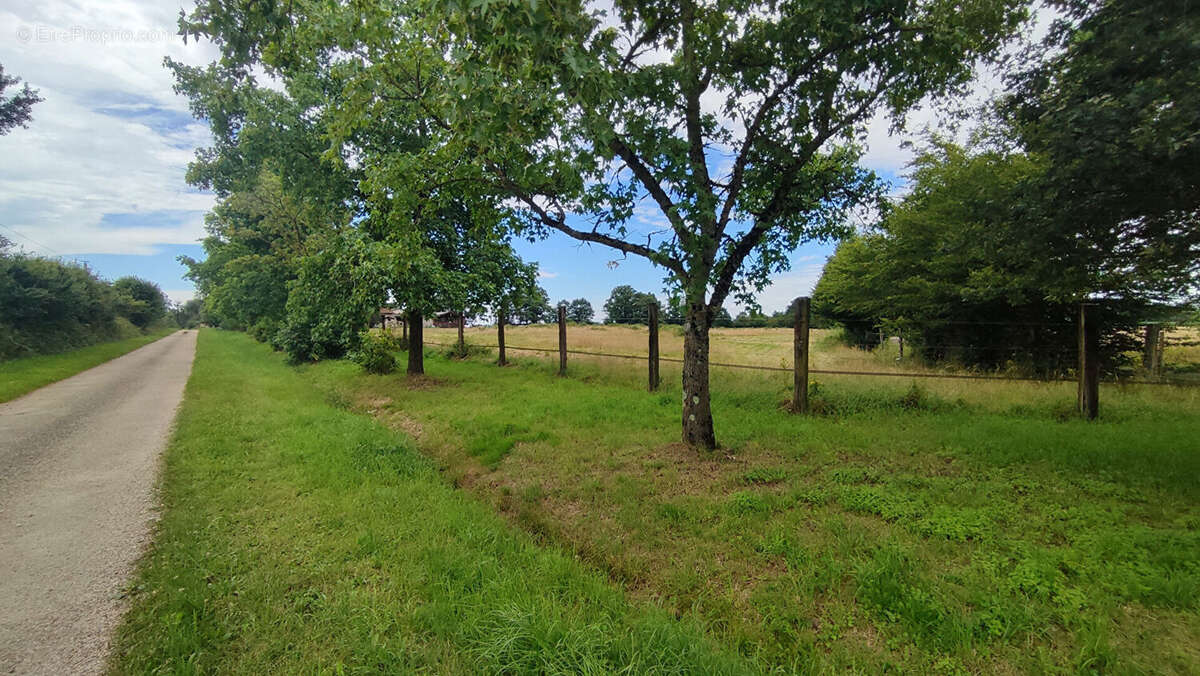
[{"x": 98, "y": 177}]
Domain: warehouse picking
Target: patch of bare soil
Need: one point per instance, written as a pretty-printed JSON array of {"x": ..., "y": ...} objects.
[{"x": 424, "y": 382}]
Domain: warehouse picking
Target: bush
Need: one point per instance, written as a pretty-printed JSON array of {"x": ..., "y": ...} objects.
[
  {"x": 264, "y": 330},
  {"x": 48, "y": 306},
  {"x": 374, "y": 354}
]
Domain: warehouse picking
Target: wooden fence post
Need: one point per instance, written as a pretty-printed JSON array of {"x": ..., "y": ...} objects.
[
  {"x": 1160, "y": 344},
  {"x": 800, "y": 358},
  {"x": 1089, "y": 364},
  {"x": 652, "y": 318},
  {"x": 500, "y": 335},
  {"x": 562, "y": 340},
  {"x": 1149, "y": 348}
]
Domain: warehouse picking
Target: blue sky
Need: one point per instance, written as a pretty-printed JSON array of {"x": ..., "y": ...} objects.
[{"x": 99, "y": 175}]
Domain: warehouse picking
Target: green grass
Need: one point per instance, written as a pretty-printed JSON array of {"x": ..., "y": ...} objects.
[
  {"x": 300, "y": 537},
  {"x": 21, "y": 376},
  {"x": 901, "y": 528}
]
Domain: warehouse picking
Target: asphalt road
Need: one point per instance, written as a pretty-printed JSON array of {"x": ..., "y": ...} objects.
[{"x": 78, "y": 464}]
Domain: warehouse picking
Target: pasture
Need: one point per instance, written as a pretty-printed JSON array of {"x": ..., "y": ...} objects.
[
  {"x": 935, "y": 526},
  {"x": 505, "y": 519}
]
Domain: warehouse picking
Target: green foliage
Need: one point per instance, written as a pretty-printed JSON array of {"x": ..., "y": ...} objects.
[
  {"x": 554, "y": 108},
  {"x": 375, "y": 354},
  {"x": 49, "y": 306},
  {"x": 189, "y": 315},
  {"x": 15, "y": 110},
  {"x": 1107, "y": 102},
  {"x": 626, "y": 305},
  {"x": 965, "y": 275},
  {"x": 140, "y": 300},
  {"x": 580, "y": 311},
  {"x": 336, "y": 291},
  {"x": 533, "y": 308}
]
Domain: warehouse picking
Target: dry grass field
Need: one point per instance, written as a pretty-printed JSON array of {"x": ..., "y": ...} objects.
[{"x": 773, "y": 347}]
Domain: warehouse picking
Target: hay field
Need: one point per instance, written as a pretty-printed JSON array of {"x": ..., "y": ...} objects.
[{"x": 773, "y": 347}]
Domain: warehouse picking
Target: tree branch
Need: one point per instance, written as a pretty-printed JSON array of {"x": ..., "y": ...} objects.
[{"x": 558, "y": 222}]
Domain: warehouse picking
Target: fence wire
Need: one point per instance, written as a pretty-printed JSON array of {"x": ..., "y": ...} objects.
[{"x": 812, "y": 371}]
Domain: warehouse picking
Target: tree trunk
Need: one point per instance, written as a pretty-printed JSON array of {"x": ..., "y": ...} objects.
[
  {"x": 1148, "y": 349},
  {"x": 416, "y": 344},
  {"x": 697, "y": 412}
]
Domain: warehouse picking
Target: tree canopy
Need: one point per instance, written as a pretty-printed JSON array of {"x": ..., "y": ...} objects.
[
  {"x": 735, "y": 120},
  {"x": 968, "y": 269},
  {"x": 15, "y": 110},
  {"x": 580, "y": 311},
  {"x": 1109, "y": 104},
  {"x": 626, "y": 305}
]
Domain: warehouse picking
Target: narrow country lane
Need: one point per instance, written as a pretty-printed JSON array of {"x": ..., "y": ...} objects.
[{"x": 78, "y": 463}]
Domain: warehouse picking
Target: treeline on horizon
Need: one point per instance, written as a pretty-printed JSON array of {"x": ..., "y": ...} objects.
[{"x": 49, "y": 306}]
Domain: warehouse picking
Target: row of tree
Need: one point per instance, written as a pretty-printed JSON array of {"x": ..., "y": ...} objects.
[
  {"x": 1083, "y": 187},
  {"x": 409, "y": 139},
  {"x": 48, "y": 306}
]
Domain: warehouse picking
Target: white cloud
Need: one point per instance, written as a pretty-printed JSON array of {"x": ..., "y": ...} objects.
[
  {"x": 786, "y": 287},
  {"x": 542, "y": 274},
  {"x": 111, "y": 137},
  {"x": 180, "y": 296}
]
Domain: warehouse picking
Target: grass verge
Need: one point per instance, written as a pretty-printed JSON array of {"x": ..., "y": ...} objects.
[
  {"x": 22, "y": 376},
  {"x": 899, "y": 529},
  {"x": 299, "y": 537}
]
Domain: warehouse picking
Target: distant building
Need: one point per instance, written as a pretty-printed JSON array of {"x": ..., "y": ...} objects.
[
  {"x": 446, "y": 320},
  {"x": 388, "y": 318}
]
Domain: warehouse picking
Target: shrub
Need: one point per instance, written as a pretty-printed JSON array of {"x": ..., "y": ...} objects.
[{"x": 374, "y": 354}]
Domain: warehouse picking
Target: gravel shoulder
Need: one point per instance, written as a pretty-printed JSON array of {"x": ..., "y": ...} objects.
[{"x": 78, "y": 464}]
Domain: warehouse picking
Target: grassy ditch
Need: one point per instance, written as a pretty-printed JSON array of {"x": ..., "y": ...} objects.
[
  {"x": 21, "y": 376},
  {"x": 299, "y": 537},
  {"x": 900, "y": 528}
]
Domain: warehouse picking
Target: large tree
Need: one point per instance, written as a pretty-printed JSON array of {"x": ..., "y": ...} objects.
[
  {"x": 968, "y": 269},
  {"x": 580, "y": 311},
  {"x": 292, "y": 206},
  {"x": 1109, "y": 102},
  {"x": 735, "y": 120},
  {"x": 627, "y": 305}
]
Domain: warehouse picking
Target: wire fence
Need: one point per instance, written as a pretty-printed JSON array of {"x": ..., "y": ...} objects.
[{"x": 1067, "y": 360}]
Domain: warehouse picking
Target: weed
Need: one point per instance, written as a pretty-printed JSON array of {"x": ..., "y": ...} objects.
[
  {"x": 745, "y": 502},
  {"x": 764, "y": 476}
]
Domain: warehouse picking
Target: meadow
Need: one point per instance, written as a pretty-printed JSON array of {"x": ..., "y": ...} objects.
[
  {"x": 772, "y": 347},
  {"x": 933, "y": 526},
  {"x": 299, "y": 537},
  {"x": 481, "y": 519}
]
